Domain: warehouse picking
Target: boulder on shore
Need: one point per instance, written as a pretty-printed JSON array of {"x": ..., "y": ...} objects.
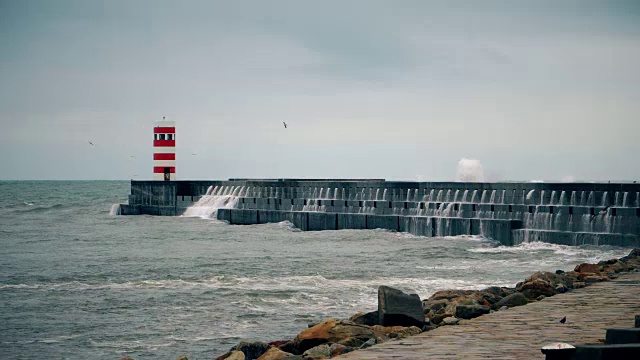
[
  {"x": 395, "y": 308},
  {"x": 252, "y": 350},
  {"x": 515, "y": 299},
  {"x": 587, "y": 268},
  {"x": 471, "y": 311},
  {"x": 274, "y": 354},
  {"x": 232, "y": 355},
  {"x": 369, "y": 319},
  {"x": 331, "y": 331}
]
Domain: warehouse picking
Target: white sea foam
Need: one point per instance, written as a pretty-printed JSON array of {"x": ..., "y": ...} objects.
[{"x": 593, "y": 255}]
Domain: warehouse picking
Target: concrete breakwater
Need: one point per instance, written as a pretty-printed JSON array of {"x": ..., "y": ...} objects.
[{"x": 509, "y": 212}]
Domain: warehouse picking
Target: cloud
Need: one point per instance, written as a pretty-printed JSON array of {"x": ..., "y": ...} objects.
[{"x": 368, "y": 87}]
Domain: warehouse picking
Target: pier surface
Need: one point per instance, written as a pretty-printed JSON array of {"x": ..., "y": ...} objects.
[{"x": 520, "y": 332}]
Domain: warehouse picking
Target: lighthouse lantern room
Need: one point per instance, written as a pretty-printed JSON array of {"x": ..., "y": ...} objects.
[{"x": 164, "y": 150}]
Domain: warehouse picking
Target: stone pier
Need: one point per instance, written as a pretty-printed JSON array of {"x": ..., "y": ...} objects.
[
  {"x": 509, "y": 212},
  {"x": 520, "y": 332}
]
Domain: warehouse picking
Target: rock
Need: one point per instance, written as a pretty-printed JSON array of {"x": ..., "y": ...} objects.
[
  {"x": 400, "y": 332},
  {"x": 561, "y": 288},
  {"x": 434, "y": 306},
  {"x": 494, "y": 294},
  {"x": 278, "y": 343},
  {"x": 252, "y": 350},
  {"x": 515, "y": 299},
  {"x": 502, "y": 308},
  {"x": 126, "y": 358},
  {"x": 352, "y": 342},
  {"x": 449, "y": 294},
  {"x": 378, "y": 330},
  {"x": 437, "y": 319},
  {"x": 182, "y": 357},
  {"x": 541, "y": 297},
  {"x": 331, "y": 331},
  {"x": 398, "y": 308},
  {"x": 369, "y": 343},
  {"x": 289, "y": 347},
  {"x": 559, "y": 272},
  {"x": 537, "y": 287},
  {"x": 428, "y": 328},
  {"x": 274, "y": 354},
  {"x": 635, "y": 253},
  {"x": 318, "y": 352},
  {"x": 380, "y": 340},
  {"x": 451, "y": 321},
  {"x": 338, "y": 349},
  {"x": 370, "y": 318},
  {"x": 232, "y": 355},
  {"x": 595, "y": 278},
  {"x": 471, "y": 311},
  {"x": 578, "y": 285},
  {"x": 590, "y": 268}
]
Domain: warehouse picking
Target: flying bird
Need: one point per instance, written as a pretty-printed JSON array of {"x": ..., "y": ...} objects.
[
  {"x": 563, "y": 320},
  {"x": 90, "y": 143},
  {"x": 285, "y": 124}
]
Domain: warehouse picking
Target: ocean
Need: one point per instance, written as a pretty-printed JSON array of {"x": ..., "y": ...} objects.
[{"x": 77, "y": 282}]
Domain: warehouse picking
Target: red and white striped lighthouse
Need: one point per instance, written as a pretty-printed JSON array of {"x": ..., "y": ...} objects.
[{"x": 164, "y": 150}]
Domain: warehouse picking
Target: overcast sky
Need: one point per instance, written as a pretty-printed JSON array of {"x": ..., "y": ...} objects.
[{"x": 384, "y": 89}]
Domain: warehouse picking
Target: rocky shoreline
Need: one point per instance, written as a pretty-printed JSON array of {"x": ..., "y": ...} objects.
[{"x": 401, "y": 315}]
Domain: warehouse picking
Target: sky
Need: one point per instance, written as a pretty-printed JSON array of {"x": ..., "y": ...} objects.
[{"x": 399, "y": 90}]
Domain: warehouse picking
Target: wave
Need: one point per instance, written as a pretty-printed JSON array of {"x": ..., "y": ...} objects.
[
  {"x": 41, "y": 208},
  {"x": 596, "y": 253},
  {"x": 271, "y": 286}
]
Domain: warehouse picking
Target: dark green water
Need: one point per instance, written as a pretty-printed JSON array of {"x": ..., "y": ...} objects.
[{"x": 79, "y": 283}]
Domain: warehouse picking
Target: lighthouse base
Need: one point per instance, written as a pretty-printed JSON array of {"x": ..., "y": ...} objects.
[{"x": 161, "y": 177}]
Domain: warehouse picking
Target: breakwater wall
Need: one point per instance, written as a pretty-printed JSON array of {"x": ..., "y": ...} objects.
[{"x": 510, "y": 212}]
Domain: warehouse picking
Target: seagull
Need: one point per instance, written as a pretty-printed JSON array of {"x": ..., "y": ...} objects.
[
  {"x": 131, "y": 156},
  {"x": 194, "y": 153},
  {"x": 563, "y": 320},
  {"x": 91, "y": 143},
  {"x": 285, "y": 124}
]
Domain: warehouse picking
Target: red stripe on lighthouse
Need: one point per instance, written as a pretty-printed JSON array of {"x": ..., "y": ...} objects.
[
  {"x": 160, "y": 169},
  {"x": 170, "y": 143},
  {"x": 164, "y": 130},
  {"x": 164, "y": 156}
]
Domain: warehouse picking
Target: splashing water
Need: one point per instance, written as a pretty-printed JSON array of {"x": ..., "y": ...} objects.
[
  {"x": 208, "y": 206},
  {"x": 470, "y": 170},
  {"x": 115, "y": 210}
]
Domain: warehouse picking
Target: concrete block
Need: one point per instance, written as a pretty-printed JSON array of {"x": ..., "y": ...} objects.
[
  {"x": 223, "y": 214},
  {"x": 300, "y": 220},
  {"x": 352, "y": 221},
  {"x": 243, "y": 217},
  {"x": 271, "y": 216},
  {"x": 598, "y": 352},
  {"x": 388, "y": 222},
  {"x": 322, "y": 221},
  {"x": 623, "y": 336}
]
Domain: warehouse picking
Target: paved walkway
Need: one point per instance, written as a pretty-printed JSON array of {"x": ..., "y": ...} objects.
[{"x": 520, "y": 332}]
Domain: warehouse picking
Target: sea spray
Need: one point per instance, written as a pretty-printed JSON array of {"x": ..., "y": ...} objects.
[
  {"x": 470, "y": 170},
  {"x": 207, "y": 206}
]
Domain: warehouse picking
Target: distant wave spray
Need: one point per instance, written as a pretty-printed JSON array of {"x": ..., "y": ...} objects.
[{"x": 470, "y": 170}]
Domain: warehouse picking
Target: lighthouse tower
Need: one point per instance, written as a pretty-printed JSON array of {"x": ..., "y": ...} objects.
[{"x": 164, "y": 150}]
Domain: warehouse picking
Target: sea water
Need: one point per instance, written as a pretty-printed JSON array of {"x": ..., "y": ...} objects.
[{"x": 77, "y": 282}]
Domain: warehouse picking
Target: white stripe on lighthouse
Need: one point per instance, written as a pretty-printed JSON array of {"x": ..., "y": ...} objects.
[
  {"x": 164, "y": 150},
  {"x": 164, "y": 163}
]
